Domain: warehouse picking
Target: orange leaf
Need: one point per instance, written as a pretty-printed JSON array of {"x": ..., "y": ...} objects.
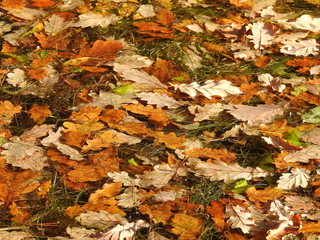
[
  {"x": 187, "y": 227},
  {"x": 213, "y": 48},
  {"x": 19, "y": 212},
  {"x": 42, "y": 3},
  {"x": 101, "y": 140},
  {"x": 262, "y": 61},
  {"x": 131, "y": 128},
  {"x": 37, "y": 73},
  {"x": 73, "y": 138},
  {"x": 7, "y": 111},
  {"x": 159, "y": 213},
  {"x": 170, "y": 139},
  {"x": 234, "y": 236},
  {"x": 39, "y": 113},
  {"x": 155, "y": 114},
  {"x": 165, "y": 17},
  {"x": 153, "y": 29},
  {"x": 88, "y": 114},
  {"x": 264, "y": 195},
  {"x": 103, "y": 51},
  {"x": 107, "y": 191},
  {"x": 312, "y": 227},
  {"x": 85, "y": 128},
  {"x": 216, "y": 210},
  {"x": 219, "y": 154},
  {"x": 112, "y": 115},
  {"x": 247, "y": 4},
  {"x": 18, "y": 4},
  {"x": 44, "y": 188}
]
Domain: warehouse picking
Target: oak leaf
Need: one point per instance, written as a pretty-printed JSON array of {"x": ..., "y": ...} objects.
[
  {"x": 170, "y": 139},
  {"x": 239, "y": 218},
  {"x": 94, "y": 20},
  {"x": 101, "y": 219},
  {"x": 218, "y": 170},
  {"x": 7, "y": 111},
  {"x": 262, "y": 113},
  {"x": 301, "y": 48},
  {"x": 157, "y": 115},
  {"x": 219, "y": 154},
  {"x": 158, "y": 99},
  {"x": 264, "y": 195},
  {"x": 153, "y": 29},
  {"x": 305, "y": 22},
  {"x": 39, "y": 113},
  {"x": 262, "y": 34},
  {"x": 131, "y": 197},
  {"x": 206, "y": 112},
  {"x": 298, "y": 177},
  {"x": 124, "y": 178},
  {"x": 19, "y": 212},
  {"x": 211, "y": 88},
  {"x": 106, "y": 98},
  {"x": 16, "y": 235},
  {"x": 160, "y": 213},
  {"x": 187, "y": 227},
  {"x": 87, "y": 114},
  {"x": 84, "y": 128},
  {"x": 17, "y": 78}
]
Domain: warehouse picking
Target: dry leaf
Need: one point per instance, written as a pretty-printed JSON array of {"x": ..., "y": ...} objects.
[
  {"x": 264, "y": 195},
  {"x": 262, "y": 34},
  {"x": 39, "y": 113},
  {"x": 218, "y": 170},
  {"x": 187, "y": 227},
  {"x": 301, "y": 48},
  {"x": 218, "y": 154},
  {"x": 239, "y": 218},
  {"x": 94, "y": 20},
  {"x": 298, "y": 177}
]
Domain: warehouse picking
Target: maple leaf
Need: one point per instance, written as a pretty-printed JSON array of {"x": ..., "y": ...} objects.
[
  {"x": 262, "y": 113},
  {"x": 94, "y": 20},
  {"x": 301, "y": 48},
  {"x": 210, "y": 88},
  {"x": 298, "y": 177},
  {"x": 262, "y": 34},
  {"x": 218, "y": 170},
  {"x": 239, "y": 218},
  {"x": 187, "y": 227}
]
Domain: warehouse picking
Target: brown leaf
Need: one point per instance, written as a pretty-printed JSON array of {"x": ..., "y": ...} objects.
[
  {"x": 165, "y": 17},
  {"x": 187, "y": 227},
  {"x": 153, "y": 29},
  {"x": 42, "y": 3},
  {"x": 219, "y": 154},
  {"x": 112, "y": 115},
  {"x": 102, "y": 51},
  {"x": 39, "y": 113},
  {"x": 310, "y": 227},
  {"x": 170, "y": 139},
  {"x": 216, "y": 210},
  {"x": 88, "y": 114},
  {"x": 160, "y": 213},
  {"x": 19, "y": 212}
]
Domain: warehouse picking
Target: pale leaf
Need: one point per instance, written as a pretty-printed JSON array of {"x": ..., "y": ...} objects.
[
  {"x": 100, "y": 219},
  {"x": 131, "y": 197},
  {"x": 158, "y": 99},
  {"x": 53, "y": 140},
  {"x": 68, "y": 5},
  {"x": 15, "y": 235},
  {"x": 301, "y": 48},
  {"x": 298, "y": 177},
  {"x": 281, "y": 210},
  {"x": 305, "y": 22},
  {"x": 146, "y": 11},
  {"x": 37, "y": 132},
  {"x": 169, "y": 195},
  {"x": 127, "y": 62},
  {"x": 268, "y": 80},
  {"x": 124, "y": 178},
  {"x": 77, "y": 233},
  {"x": 55, "y": 24},
  {"x": 17, "y": 78},
  {"x": 239, "y": 218},
  {"x": 25, "y": 155},
  {"x": 107, "y": 98},
  {"x": 312, "y": 136},
  {"x": 211, "y": 88},
  {"x": 192, "y": 60},
  {"x": 314, "y": 70},
  {"x": 304, "y": 155},
  {"x": 218, "y": 170},
  {"x": 161, "y": 175},
  {"x": 4, "y": 27},
  {"x": 94, "y": 20},
  {"x": 262, "y": 113},
  {"x": 26, "y": 13},
  {"x": 124, "y": 231},
  {"x": 262, "y": 34},
  {"x": 206, "y": 112},
  {"x": 142, "y": 79},
  {"x": 195, "y": 28}
]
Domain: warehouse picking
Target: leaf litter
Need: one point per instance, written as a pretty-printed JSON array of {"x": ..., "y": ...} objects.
[{"x": 125, "y": 112}]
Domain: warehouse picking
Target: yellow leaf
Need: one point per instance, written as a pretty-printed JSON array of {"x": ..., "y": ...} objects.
[{"x": 187, "y": 227}]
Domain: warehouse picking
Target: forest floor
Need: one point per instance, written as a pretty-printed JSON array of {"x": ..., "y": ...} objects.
[{"x": 164, "y": 119}]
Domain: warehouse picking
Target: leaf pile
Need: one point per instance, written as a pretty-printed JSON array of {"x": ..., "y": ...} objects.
[{"x": 159, "y": 120}]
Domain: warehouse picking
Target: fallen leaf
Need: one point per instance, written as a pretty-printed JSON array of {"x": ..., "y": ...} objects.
[
  {"x": 239, "y": 218},
  {"x": 7, "y": 111},
  {"x": 218, "y": 170},
  {"x": 298, "y": 177},
  {"x": 264, "y": 195},
  {"x": 218, "y": 154},
  {"x": 187, "y": 227},
  {"x": 262, "y": 34},
  {"x": 300, "y": 48},
  {"x": 39, "y": 113},
  {"x": 94, "y": 20}
]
